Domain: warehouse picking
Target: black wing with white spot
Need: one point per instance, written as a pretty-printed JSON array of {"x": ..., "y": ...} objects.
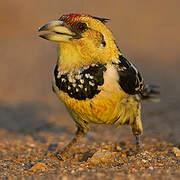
[
  {"x": 81, "y": 84},
  {"x": 130, "y": 79}
]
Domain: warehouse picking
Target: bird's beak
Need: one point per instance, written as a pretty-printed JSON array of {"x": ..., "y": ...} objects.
[{"x": 59, "y": 32}]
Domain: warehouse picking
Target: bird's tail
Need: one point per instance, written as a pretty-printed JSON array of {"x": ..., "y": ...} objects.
[{"x": 151, "y": 93}]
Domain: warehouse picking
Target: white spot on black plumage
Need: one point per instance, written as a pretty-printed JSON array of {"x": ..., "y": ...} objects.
[
  {"x": 82, "y": 83},
  {"x": 59, "y": 75},
  {"x": 87, "y": 75},
  {"x": 81, "y": 86},
  {"x": 130, "y": 79},
  {"x": 74, "y": 85},
  {"x": 137, "y": 89},
  {"x": 91, "y": 83},
  {"x": 71, "y": 79},
  {"x": 63, "y": 79},
  {"x": 78, "y": 76}
]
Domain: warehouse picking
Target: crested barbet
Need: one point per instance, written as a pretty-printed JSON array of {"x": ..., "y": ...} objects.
[{"x": 92, "y": 78}]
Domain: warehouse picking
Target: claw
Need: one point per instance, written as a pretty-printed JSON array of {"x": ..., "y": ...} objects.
[{"x": 61, "y": 154}]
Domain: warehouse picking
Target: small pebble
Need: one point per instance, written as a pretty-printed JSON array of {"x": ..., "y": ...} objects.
[
  {"x": 133, "y": 170},
  {"x": 103, "y": 156},
  {"x": 144, "y": 153},
  {"x": 39, "y": 167},
  {"x": 176, "y": 151},
  {"x": 73, "y": 171},
  {"x": 118, "y": 148}
]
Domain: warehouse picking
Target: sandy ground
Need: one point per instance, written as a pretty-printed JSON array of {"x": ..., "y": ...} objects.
[{"x": 33, "y": 123}]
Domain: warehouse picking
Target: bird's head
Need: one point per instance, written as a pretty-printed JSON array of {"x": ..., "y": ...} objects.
[{"x": 87, "y": 34}]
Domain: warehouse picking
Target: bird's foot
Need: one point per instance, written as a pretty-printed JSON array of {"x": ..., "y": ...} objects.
[
  {"x": 62, "y": 154},
  {"x": 139, "y": 148}
]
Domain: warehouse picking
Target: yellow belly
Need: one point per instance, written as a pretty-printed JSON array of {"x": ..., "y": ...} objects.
[{"x": 104, "y": 108}]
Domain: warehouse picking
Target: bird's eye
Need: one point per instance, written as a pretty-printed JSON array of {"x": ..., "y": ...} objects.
[{"x": 80, "y": 27}]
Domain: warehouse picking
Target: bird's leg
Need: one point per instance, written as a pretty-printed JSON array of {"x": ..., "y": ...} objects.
[
  {"x": 138, "y": 142},
  {"x": 137, "y": 129},
  {"x": 137, "y": 133},
  {"x": 64, "y": 152}
]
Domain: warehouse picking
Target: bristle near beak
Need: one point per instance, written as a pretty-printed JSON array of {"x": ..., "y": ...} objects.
[{"x": 59, "y": 32}]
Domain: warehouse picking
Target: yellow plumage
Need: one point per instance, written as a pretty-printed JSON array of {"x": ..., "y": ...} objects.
[
  {"x": 111, "y": 106},
  {"x": 92, "y": 78}
]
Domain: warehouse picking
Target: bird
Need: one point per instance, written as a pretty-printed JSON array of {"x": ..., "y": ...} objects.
[{"x": 94, "y": 80}]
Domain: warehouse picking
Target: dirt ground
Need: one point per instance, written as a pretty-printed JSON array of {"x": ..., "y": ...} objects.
[{"x": 33, "y": 123}]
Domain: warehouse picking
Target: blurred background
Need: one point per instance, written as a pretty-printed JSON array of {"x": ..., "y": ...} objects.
[{"x": 147, "y": 32}]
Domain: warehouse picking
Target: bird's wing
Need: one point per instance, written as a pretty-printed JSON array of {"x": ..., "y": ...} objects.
[{"x": 130, "y": 79}]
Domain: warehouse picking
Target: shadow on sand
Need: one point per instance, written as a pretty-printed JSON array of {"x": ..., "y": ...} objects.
[{"x": 28, "y": 119}]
